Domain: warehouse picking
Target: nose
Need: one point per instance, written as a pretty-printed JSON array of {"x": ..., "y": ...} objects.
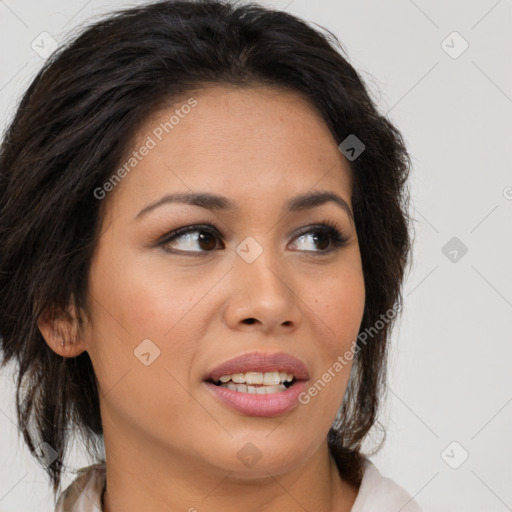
[{"x": 262, "y": 296}]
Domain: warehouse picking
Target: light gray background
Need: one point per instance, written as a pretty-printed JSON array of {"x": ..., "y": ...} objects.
[{"x": 450, "y": 377}]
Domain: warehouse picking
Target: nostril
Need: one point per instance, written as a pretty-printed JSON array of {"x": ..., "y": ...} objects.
[{"x": 249, "y": 320}]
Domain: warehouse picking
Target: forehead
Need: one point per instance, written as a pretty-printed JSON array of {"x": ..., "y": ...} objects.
[{"x": 235, "y": 140}]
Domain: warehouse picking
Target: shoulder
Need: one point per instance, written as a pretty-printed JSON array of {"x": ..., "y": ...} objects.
[
  {"x": 378, "y": 492},
  {"x": 84, "y": 493}
]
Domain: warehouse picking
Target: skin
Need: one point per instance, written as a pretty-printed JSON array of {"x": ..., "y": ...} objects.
[{"x": 170, "y": 445}]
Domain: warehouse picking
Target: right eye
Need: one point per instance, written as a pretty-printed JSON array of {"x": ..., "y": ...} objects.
[{"x": 192, "y": 239}]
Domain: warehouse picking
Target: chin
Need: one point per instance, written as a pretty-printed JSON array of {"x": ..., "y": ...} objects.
[{"x": 262, "y": 455}]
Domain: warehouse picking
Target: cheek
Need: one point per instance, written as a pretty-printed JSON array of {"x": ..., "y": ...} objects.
[
  {"x": 167, "y": 306},
  {"x": 336, "y": 305},
  {"x": 139, "y": 301},
  {"x": 339, "y": 303},
  {"x": 127, "y": 308},
  {"x": 144, "y": 296}
]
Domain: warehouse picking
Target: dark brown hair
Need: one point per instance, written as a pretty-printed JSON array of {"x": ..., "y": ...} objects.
[{"x": 70, "y": 132}]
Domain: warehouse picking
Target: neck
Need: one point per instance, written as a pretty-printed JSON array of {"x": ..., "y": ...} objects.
[{"x": 145, "y": 477}]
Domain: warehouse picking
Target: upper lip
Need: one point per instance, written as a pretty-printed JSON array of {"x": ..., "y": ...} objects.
[{"x": 261, "y": 362}]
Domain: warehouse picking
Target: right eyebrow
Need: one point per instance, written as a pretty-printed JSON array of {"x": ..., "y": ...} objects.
[{"x": 202, "y": 199}]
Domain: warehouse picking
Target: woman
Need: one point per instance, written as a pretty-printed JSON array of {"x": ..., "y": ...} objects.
[{"x": 203, "y": 239}]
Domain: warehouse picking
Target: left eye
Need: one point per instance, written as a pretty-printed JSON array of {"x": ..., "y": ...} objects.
[{"x": 326, "y": 237}]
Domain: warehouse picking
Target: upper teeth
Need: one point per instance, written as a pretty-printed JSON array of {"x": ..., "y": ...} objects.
[{"x": 267, "y": 378}]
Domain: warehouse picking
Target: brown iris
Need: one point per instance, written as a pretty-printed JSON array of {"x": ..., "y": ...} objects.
[{"x": 206, "y": 240}]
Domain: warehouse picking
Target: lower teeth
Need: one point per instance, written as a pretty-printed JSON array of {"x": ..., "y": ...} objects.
[{"x": 255, "y": 390}]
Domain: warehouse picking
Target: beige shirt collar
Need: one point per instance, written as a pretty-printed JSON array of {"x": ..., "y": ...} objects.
[{"x": 84, "y": 494}]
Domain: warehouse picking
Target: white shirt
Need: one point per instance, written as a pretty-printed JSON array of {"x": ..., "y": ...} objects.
[{"x": 377, "y": 493}]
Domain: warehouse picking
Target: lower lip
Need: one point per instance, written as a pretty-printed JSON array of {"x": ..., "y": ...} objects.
[{"x": 268, "y": 405}]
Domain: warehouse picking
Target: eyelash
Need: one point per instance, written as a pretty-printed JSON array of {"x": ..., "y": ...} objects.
[{"x": 327, "y": 227}]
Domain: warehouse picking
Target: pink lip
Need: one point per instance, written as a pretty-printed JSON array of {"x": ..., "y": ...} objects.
[
  {"x": 261, "y": 362},
  {"x": 267, "y": 405}
]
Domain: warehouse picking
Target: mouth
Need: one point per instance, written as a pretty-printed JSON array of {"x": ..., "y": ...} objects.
[{"x": 259, "y": 384}]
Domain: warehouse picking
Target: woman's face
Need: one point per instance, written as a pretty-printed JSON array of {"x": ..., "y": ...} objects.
[{"x": 254, "y": 279}]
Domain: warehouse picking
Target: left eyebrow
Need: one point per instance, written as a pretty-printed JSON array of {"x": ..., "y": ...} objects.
[
  {"x": 318, "y": 198},
  {"x": 216, "y": 202}
]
